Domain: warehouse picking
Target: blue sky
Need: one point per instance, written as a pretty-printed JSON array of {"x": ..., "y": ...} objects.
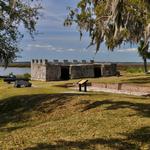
[{"x": 55, "y": 41}]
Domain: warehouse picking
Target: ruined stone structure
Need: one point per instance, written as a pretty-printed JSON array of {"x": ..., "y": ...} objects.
[{"x": 52, "y": 71}]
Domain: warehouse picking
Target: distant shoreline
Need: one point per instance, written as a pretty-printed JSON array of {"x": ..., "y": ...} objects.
[
  {"x": 28, "y": 64},
  {"x": 19, "y": 65}
]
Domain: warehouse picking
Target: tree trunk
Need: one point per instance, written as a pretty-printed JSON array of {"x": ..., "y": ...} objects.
[{"x": 145, "y": 65}]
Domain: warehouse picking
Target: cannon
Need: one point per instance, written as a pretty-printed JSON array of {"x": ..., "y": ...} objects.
[
  {"x": 18, "y": 82},
  {"x": 13, "y": 79},
  {"x": 22, "y": 83}
]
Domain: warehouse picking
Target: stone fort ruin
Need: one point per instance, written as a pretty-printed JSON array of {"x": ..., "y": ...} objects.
[{"x": 54, "y": 71}]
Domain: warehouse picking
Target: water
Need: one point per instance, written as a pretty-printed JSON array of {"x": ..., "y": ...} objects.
[{"x": 14, "y": 70}]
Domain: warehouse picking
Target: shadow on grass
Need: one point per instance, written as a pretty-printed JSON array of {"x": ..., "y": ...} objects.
[
  {"x": 89, "y": 144},
  {"x": 141, "y": 135},
  {"x": 132, "y": 141},
  {"x": 21, "y": 108},
  {"x": 141, "y": 108},
  {"x": 9, "y": 129},
  {"x": 15, "y": 109}
]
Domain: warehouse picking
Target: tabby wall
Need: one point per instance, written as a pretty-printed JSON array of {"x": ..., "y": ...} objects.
[
  {"x": 43, "y": 71},
  {"x": 81, "y": 71},
  {"x": 53, "y": 72},
  {"x": 38, "y": 70},
  {"x": 108, "y": 69}
]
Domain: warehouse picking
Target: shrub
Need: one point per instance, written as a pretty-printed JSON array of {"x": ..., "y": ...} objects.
[
  {"x": 27, "y": 75},
  {"x": 135, "y": 69}
]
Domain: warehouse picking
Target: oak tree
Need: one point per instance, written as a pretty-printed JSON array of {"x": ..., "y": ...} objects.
[
  {"x": 13, "y": 15},
  {"x": 113, "y": 22}
]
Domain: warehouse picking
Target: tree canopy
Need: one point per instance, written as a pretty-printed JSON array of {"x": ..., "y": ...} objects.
[
  {"x": 14, "y": 13},
  {"x": 112, "y": 21}
]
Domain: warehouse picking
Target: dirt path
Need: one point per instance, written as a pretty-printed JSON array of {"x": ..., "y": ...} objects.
[{"x": 98, "y": 89}]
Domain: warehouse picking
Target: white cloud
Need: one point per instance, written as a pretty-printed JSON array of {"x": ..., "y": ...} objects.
[
  {"x": 39, "y": 46},
  {"x": 71, "y": 49},
  {"x": 127, "y": 50},
  {"x": 49, "y": 47}
]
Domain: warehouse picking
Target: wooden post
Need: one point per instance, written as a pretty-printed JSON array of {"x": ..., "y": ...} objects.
[
  {"x": 85, "y": 87},
  {"x": 80, "y": 87},
  {"x": 119, "y": 86}
]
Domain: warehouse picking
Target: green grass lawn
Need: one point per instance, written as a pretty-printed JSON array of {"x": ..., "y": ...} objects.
[
  {"x": 48, "y": 116},
  {"x": 130, "y": 78}
]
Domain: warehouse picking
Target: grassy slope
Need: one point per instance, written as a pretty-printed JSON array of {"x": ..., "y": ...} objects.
[{"x": 46, "y": 117}]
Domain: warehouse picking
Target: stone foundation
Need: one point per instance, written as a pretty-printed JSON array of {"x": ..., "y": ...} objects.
[{"x": 123, "y": 87}]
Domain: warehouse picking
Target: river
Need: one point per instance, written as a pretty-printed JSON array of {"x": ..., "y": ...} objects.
[{"x": 14, "y": 70}]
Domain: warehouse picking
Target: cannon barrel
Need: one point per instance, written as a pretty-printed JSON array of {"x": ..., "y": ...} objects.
[
  {"x": 9, "y": 80},
  {"x": 4, "y": 77}
]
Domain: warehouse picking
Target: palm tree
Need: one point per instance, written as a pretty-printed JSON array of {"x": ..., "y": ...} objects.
[{"x": 143, "y": 52}]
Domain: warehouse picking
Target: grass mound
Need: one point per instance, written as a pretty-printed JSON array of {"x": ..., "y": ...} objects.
[{"x": 47, "y": 117}]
